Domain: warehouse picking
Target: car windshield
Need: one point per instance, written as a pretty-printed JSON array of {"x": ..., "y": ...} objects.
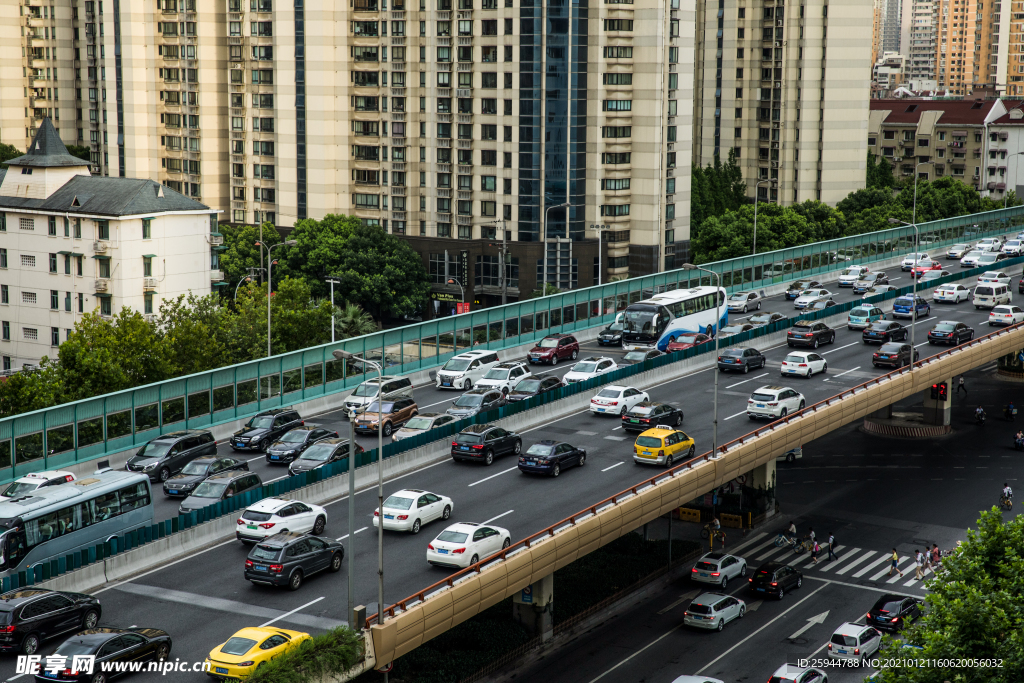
[
  {"x": 880, "y": 326},
  {"x": 614, "y": 327},
  {"x": 295, "y": 436},
  {"x": 210, "y": 489},
  {"x": 539, "y": 449},
  {"x": 991, "y": 275},
  {"x": 851, "y": 271},
  {"x": 584, "y": 367},
  {"x": 457, "y": 364},
  {"x": 548, "y": 343},
  {"x": 706, "y": 566},
  {"x": 194, "y": 467},
  {"x": 398, "y": 503},
  {"x": 497, "y": 373},
  {"x": 469, "y": 438},
  {"x": 635, "y": 355},
  {"x": 959, "y": 247},
  {"x": 237, "y": 646},
  {"x": 154, "y": 449},
  {"x": 609, "y": 393},
  {"x": 528, "y": 385},
  {"x": 453, "y": 537},
  {"x": 383, "y": 407},
  {"x": 984, "y": 291},
  {"x": 648, "y": 441},
  {"x": 261, "y": 422},
  {"x": 253, "y": 516},
  {"x": 265, "y": 552},
  {"x": 987, "y": 258},
  {"x": 860, "y": 312},
  {"x": 318, "y": 452},
  {"x": 738, "y": 296},
  {"x": 732, "y": 329},
  {"x": 838, "y": 639},
  {"x": 945, "y": 327},
  {"x": 732, "y": 352},
  {"x": 469, "y": 400},
  {"x": 418, "y": 423},
  {"x": 70, "y": 648},
  {"x": 1002, "y": 310},
  {"x": 366, "y": 390},
  {"x": 641, "y": 410},
  {"x": 890, "y": 348},
  {"x": 762, "y": 397},
  {"x": 686, "y": 339},
  {"x": 889, "y": 606},
  {"x": 902, "y": 302},
  {"x": 18, "y": 488},
  {"x": 803, "y": 323},
  {"x": 638, "y": 321},
  {"x": 761, "y": 318},
  {"x": 793, "y": 358}
]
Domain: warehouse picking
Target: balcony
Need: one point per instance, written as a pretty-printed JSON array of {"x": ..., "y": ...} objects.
[
  {"x": 216, "y": 240},
  {"x": 216, "y": 275}
]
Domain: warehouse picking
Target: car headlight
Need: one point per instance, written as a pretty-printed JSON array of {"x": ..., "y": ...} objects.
[{"x": 149, "y": 468}]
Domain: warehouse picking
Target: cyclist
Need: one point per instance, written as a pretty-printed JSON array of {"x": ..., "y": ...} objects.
[
  {"x": 979, "y": 415},
  {"x": 1007, "y": 492},
  {"x": 1010, "y": 410}
]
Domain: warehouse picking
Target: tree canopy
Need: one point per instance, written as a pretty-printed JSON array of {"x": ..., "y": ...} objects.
[
  {"x": 716, "y": 189},
  {"x": 8, "y": 152}
]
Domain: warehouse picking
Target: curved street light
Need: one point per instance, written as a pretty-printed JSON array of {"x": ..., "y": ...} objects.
[
  {"x": 718, "y": 320},
  {"x": 244, "y": 279},
  {"x": 270, "y": 282}
]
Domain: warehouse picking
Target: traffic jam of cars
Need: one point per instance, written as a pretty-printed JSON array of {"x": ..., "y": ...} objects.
[{"x": 285, "y": 536}]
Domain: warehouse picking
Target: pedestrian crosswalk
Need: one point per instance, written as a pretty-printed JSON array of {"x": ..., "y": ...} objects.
[{"x": 851, "y": 563}]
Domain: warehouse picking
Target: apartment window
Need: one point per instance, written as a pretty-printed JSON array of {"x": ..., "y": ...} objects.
[
  {"x": 625, "y": 79},
  {"x": 366, "y": 201},
  {"x": 30, "y": 333},
  {"x": 263, "y": 76},
  {"x": 612, "y": 184},
  {"x": 617, "y": 105},
  {"x": 262, "y": 52},
  {"x": 7, "y": 337},
  {"x": 508, "y": 108},
  {"x": 465, "y": 182},
  {"x": 147, "y": 228},
  {"x": 147, "y": 302},
  {"x": 104, "y": 267},
  {"x": 444, "y": 79},
  {"x": 506, "y": 186},
  {"x": 237, "y": 171},
  {"x": 81, "y": 302},
  {"x": 262, "y": 28},
  {"x": 28, "y": 297},
  {"x": 489, "y": 209},
  {"x": 615, "y": 157},
  {"x": 489, "y": 157},
  {"x": 366, "y": 128},
  {"x": 618, "y": 24},
  {"x": 147, "y": 266},
  {"x": 488, "y": 132},
  {"x": 615, "y": 209},
  {"x": 264, "y": 124},
  {"x": 616, "y": 131},
  {"x": 263, "y": 147},
  {"x": 265, "y": 171},
  {"x": 489, "y": 106},
  {"x": 618, "y": 52},
  {"x": 670, "y": 185},
  {"x": 5, "y": 294},
  {"x": 105, "y": 306},
  {"x": 465, "y": 28},
  {"x": 54, "y": 299},
  {"x": 444, "y": 130},
  {"x": 3, "y": 222},
  {"x": 51, "y": 228},
  {"x": 3, "y": 257},
  {"x": 264, "y": 194},
  {"x": 488, "y": 183},
  {"x": 262, "y": 101},
  {"x": 489, "y": 27},
  {"x": 53, "y": 263},
  {"x": 444, "y": 180},
  {"x": 28, "y": 261},
  {"x": 364, "y": 28},
  {"x": 26, "y": 224}
]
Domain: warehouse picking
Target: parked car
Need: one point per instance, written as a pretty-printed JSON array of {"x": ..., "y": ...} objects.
[
  {"x": 465, "y": 369},
  {"x": 534, "y": 386},
  {"x": 894, "y": 355},
  {"x": 863, "y": 316},
  {"x": 198, "y": 471},
  {"x": 951, "y": 332},
  {"x": 718, "y": 568},
  {"x": 811, "y": 333},
  {"x": 774, "y": 402},
  {"x": 288, "y": 558},
  {"x": 951, "y": 292},
  {"x": 556, "y": 347},
  {"x": 854, "y": 641},
  {"x": 409, "y": 509},
  {"x": 910, "y": 307},
  {"x": 169, "y": 453},
  {"x": 463, "y": 545},
  {"x": 389, "y": 388},
  {"x": 885, "y": 331},
  {"x": 31, "y": 616},
  {"x": 611, "y": 335},
  {"x": 36, "y": 480},
  {"x": 741, "y": 302},
  {"x": 616, "y": 400},
  {"x": 589, "y": 368},
  {"x": 742, "y": 359},
  {"x": 551, "y": 457},
  {"x": 393, "y": 414},
  {"x": 112, "y": 648},
  {"x": 483, "y": 442},
  {"x": 795, "y": 289},
  {"x": 775, "y": 578},
  {"x": 476, "y": 401},
  {"x": 249, "y": 648},
  {"x": 643, "y": 415},
  {"x": 1006, "y": 315},
  {"x": 505, "y": 375},
  {"x": 639, "y": 356},
  {"x": 218, "y": 487},
  {"x": 713, "y": 610},
  {"x": 892, "y": 612},
  {"x": 423, "y": 422},
  {"x": 264, "y": 429},
  {"x": 323, "y": 453},
  {"x": 270, "y": 516},
  {"x": 293, "y": 442},
  {"x": 766, "y": 318}
]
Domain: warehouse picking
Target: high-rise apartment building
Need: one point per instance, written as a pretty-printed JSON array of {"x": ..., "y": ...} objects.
[
  {"x": 787, "y": 86},
  {"x": 890, "y": 13},
  {"x": 978, "y": 47},
  {"x": 918, "y": 39}
]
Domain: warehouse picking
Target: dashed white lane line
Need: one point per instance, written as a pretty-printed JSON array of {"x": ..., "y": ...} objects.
[
  {"x": 494, "y": 475},
  {"x": 845, "y": 373},
  {"x": 288, "y": 614},
  {"x": 613, "y": 466},
  {"x": 840, "y": 348},
  {"x": 503, "y": 514},
  {"x": 742, "y": 412}
]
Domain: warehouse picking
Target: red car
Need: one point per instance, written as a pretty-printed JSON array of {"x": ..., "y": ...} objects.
[
  {"x": 923, "y": 267},
  {"x": 687, "y": 341},
  {"x": 553, "y": 348}
]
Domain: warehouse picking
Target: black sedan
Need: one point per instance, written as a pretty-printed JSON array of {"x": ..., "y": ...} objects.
[
  {"x": 799, "y": 286},
  {"x": 766, "y": 318},
  {"x": 775, "y": 578},
  {"x": 1020, "y": 285},
  {"x": 534, "y": 386},
  {"x": 475, "y": 401},
  {"x": 893, "y": 355},
  {"x": 110, "y": 647},
  {"x": 634, "y": 357},
  {"x": 892, "y": 612},
  {"x": 30, "y": 616},
  {"x": 950, "y": 332},
  {"x": 882, "y": 331},
  {"x": 742, "y": 360},
  {"x": 322, "y": 453},
  {"x": 196, "y": 472},
  {"x": 551, "y": 457},
  {"x": 810, "y": 333},
  {"x": 482, "y": 442},
  {"x": 648, "y": 414},
  {"x": 611, "y": 335},
  {"x": 293, "y": 442}
]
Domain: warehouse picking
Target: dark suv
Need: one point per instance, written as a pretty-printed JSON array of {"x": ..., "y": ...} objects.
[
  {"x": 892, "y": 612},
  {"x": 775, "y": 578},
  {"x": 219, "y": 487},
  {"x": 169, "y": 453},
  {"x": 293, "y": 442},
  {"x": 287, "y": 558},
  {"x": 553, "y": 348},
  {"x": 264, "y": 429},
  {"x": 474, "y": 401},
  {"x": 810, "y": 333},
  {"x": 483, "y": 442},
  {"x": 743, "y": 360},
  {"x": 322, "y": 453},
  {"x": 30, "y": 616},
  {"x": 196, "y": 472}
]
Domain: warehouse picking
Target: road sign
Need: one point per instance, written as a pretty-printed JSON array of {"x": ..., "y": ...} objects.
[
  {"x": 527, "y": 595},
  {"x": 386, "y": 669},
  {"x": 462, "y": 308}
]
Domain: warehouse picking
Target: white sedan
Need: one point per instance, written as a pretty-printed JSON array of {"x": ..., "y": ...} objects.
[
  {"x": 1007, "y": 314},
  {"x": 408, "y": 509},
  {"x": 989, "y": 244},
  {"x": 970, "y": 259},
  {"x": 852, "y": 274},
  {"x": 951, "y": 293},
  {"x": 910, "y": 260},
  {"x": 272, "y": 515},
  {"x": 809, "y": 295},
  {"x": 465, "y": 544},
  {"x": 588, "y": 368},
  {"x": 997, "y": 276},
  {"x": 617, "y": 400},
  {"x": 804, "y": 363},
  {"x": 1013, "y": 247}
]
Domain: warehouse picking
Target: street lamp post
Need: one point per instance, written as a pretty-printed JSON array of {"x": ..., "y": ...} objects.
[
  {"x": 332, "y": 282},
  {"x": 453, "y": 281},
  {"x": 348, "y": 356},
  {"x": 600, "y": 233},
  {"x": 270, "y": 282},
  {"x": 544, "y": 241},
  {"x": 718, "y": 319},
  {"x": 244, "y": 279},
  {"x": 756, "y": 185},
  {"x": 913, "y": 277}
]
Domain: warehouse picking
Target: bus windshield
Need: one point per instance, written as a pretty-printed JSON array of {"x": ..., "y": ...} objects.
[{"x": 639, "y": 320}]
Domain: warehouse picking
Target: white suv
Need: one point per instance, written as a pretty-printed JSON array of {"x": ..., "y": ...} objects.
[
  {"x": 589, "y": 368},
  {"x": 774, "y": 401},
  {"x": 505, "y": 375},
  {"x": 854, "y": 641},
  {"x": 718, "y": 568},
  {"x": 989, "y": 244},
  {"x": 272, "y": 515},
  {"x": 909, "y": 261},
  {"x": 465, "y": 370}
]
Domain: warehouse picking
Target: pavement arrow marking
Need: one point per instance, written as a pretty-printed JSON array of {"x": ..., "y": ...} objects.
[
  {"x": 813, "y": 621},
  {"x": 682, "y": 598},
  {"x": 752, "y": 607}
]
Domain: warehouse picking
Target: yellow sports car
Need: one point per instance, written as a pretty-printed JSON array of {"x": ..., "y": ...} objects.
[{"x": 250, "y": 648}]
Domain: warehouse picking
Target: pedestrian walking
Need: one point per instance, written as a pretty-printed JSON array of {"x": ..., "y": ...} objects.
[
  {"x": 814, "y": 553},
  {"x": 895, "y": 563},
  {"x": 936, "y": 558},
  {"x": 927, "y": 560},
  {"x": 960, "y": 386},
  {"x": 832, "y": 548},
  {"x": 919, "y": 565}
]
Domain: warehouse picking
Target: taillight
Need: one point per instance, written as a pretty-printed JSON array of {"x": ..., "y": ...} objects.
[
  {"x": 694, "y": 569},
  {"x": 856, "y": 651},
  {"x": 803, "y": 365},
  {"x": 267, "y": 525},
  {"x": 750, "y": 581},
  {"x": 249, "y": 663},
  {"x": 403, "y": 516},
  {"x": 248, "y": 564},
  {"x": 376, "y": 513},
  {"x": 830, "y": 646},
  {"x": 459, "y": 551},
  {"x": 773, "y": 404},
  {"x": 774, "y": 583},
  {"x": 454, "y": 443},
  {"x": 7, "y": 629},
  {"x": 645, "y": 420},
  {"x": 478, "y": 447},
  {"x": 895, "y": 619},
  {"x": 868, "y": 615},
  {"x": 661, "y": 453},
  {"x": 715, "y": 573},
  {"x": 277, "y": 568},
  {"x": 430, "y": 546},
  {"x": 240, "y": 521}
]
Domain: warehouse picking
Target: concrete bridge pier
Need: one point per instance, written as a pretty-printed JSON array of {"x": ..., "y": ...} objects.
[
  {"x": 932, "y": 421},
  {"x": 533, "y": 607}
]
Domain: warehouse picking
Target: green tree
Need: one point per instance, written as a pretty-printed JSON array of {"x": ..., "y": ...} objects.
[
  {"x": 731, "y": 235},
  {"x": 8, "y": 152},
  {"x": 194, "y": 332},
  {"x": 879, "y": 173},
  {"x": 828, "y": 223},
  {"x": 80, "y": 151},
  {"x": 716, "y": 189},
  {"x": 352, "y": 321},
  {"x": 241, "y": 252},
  {"x": 26, "y": 391},
  {"x": 861, "y": 200},
  {"x": 974, "y": 610}
]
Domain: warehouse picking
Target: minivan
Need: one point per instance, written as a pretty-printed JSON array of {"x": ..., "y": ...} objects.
[
  {"x": 465, "y": 369},
  {"x": 218, "y": 487},
  {"x": 366, "y": 393},
  {"x": 169, "y": 453},
  {"x": 991, "y": 294}
]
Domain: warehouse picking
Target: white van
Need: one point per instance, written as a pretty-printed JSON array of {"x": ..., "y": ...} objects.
[
  {"x": 465, "y": 370},
  {"x": 989, "y": 294},
  {"x": 367, "y": 392}
]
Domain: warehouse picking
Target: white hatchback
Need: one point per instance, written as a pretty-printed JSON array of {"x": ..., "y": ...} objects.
[
  {"x": 803, "y": 363},
  {"x": 852, "y": 274},
  {"x": 999, "y": 276},
  {"x": 616, "y": 400},
  {"x": 465, "y": 544},
  {"x": 809, "y": 295},
  {"x": 408, "y": 509},
  {"x": 951, "y": 293},
  {"x": 854, "y": 641},
  {"x": 718, "y": 568},
  {"x": 713, "y": 610},
  {"x": 589, "y": 368},
  {"x": 272, "y": 515},
  {"x": 774, "y": 401},
  {"x": 1006, "y": 315}
]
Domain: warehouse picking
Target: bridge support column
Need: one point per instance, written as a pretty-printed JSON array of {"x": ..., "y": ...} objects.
[
  {"x": 883, "y": 413},
  {"x": 936, "y": 411},
  {"x": 533, "y": 607}
]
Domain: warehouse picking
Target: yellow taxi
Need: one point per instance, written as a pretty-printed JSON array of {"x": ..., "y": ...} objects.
[
  {"x": 662, "y": 446},
  {"x": 242, "y": 653}
]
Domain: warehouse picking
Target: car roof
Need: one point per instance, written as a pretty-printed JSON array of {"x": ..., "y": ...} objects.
[
  {"x": 658, "y": 431},
  {"x": 269, "y": 505},
  {"x": 595, "y": 358},
  {"x": 307, "y": 427},
  {"x": 480, "y": 390},
  {"x": 462, "y": 526},
  {"x": 799, "y": 353},
  {"x": 547, "y": 442},
  {"x": 377, "y": 380},
  {"x": 228, "y": 474},
  {"x": 282, "y": 538},
  {"x": 705, "y": 598},
  {"x": 332, "y": 440},
  {"x": 850, "y": 629},
  {"x": 772, "y": 387},
  {"x": 559, "y": 335},
  {"x": 275, "y": 411},
  {"x": 509, "y": 364},
  {"x": 478, "y": 429},
  {"x": 771, "y": 566},
  {"x": 42, "y": 476},
  {"x": 411, "y": 492},
  {"x": 472, "y": 354},
  {"x": 714, "y": 556},
  {"x": 17, "y": 597}
]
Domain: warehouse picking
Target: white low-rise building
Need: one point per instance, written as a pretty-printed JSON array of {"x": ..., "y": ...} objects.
[{"x": 71, "y": 243}]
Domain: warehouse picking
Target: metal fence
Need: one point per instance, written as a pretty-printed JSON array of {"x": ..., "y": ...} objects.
[{"x": 87, "y": 429}]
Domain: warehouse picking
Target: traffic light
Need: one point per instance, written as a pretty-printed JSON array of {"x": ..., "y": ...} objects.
[{"x": 940, "y": 392}]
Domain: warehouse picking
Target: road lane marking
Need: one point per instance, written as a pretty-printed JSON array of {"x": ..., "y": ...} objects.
[
  {"x": 682, "y": 598},
  {"x": 845, "y": 373},
  {"x": 910, "y": 563},
  {"x": 739, "y": 383},
  {"x": 645, "y": 647},
  {"x": 753, "y": 539},
  {"x": 494, "y": 475},
  {"x": 615, "y": 438},
  {"x": 827, "y": 564},
  {"x": 358, "y": 530},
  {"x": 498, "y": 517},
  {"x": 840, "y": 348},
  {"x": 583, "y": 433},
  {"x": 169, "y": 564},
  {"x": 288, "y": 614},
  {"x": 613, "y": 466},
  {"x": 850, "y": 565},
  {"x": 742, "y": 412},
  {"x": 614, "y": 429}
]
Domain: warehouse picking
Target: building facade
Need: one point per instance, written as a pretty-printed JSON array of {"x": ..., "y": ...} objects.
[
  {"x": 791, "y": 97},
  {"x": 74, "y": 243},
  {"x": 887, "y": 75}
]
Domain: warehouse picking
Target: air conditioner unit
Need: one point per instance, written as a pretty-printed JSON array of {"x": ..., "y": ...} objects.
[
  {"x": 100, "y": 247},
  {"x": 102, "y": 285},
  {"x": 149, "y": 283},
  {"x": 149, "y": 317}
]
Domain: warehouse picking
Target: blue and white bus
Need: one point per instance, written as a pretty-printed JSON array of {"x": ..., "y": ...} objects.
[
  {"x": 656, "y": 322},
  {"x": 57, "y": 520}
]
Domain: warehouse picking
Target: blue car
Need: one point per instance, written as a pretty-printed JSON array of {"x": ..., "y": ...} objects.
[
  {"x": 908, "y": 307},
  {"x": 550, "y": 457}
]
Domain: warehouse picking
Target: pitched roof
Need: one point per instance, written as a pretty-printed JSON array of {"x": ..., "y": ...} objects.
[
  {"x": 954, "y": 112},
  {"x": 106, "y": 196},
  {"x": 47, "y": 150},
  {"x": 1009, "y": 119}
]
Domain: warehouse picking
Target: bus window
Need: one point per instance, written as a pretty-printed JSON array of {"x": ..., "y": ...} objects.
[
  {"x": 107, "y": 506},
  {"x": 14, "y": 549},
  {"x": 691, "y": 306},
  {"x": 134, "y": 497},
  {"x": 41, "y": 529},
  {"x": 66, "y": 519}
]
